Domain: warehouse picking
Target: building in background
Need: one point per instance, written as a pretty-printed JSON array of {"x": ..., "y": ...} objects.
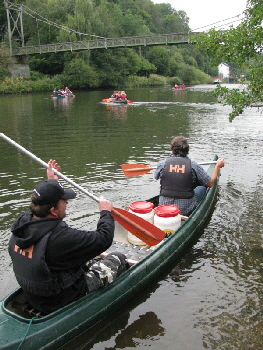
[{"x": 224, "y": 71}]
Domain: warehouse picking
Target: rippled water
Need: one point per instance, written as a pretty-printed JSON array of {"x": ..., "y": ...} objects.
[{"x": 212, "y": 298}]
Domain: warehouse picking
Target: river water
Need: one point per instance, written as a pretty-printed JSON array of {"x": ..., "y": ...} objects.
[{"x": 212, "y": 298}]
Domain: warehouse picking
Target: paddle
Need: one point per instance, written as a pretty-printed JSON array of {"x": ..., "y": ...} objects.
[
  {"x": 139, "y": 227},
  {"x": 134, "y": 169}
]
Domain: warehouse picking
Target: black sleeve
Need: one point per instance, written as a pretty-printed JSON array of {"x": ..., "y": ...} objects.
[{"x": 70, "y": 248}]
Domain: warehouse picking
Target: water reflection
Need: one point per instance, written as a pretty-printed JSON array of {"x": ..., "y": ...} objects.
[
  {"x": 62, "y": 103},
  {"x": 123, "y": 331},
  {"x": 146, "y": 327},
  {"x": 190, "y": 263},
  {"x": 118, "y": 111}
]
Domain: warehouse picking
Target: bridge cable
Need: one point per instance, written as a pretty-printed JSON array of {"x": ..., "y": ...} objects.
[
  {"x": 40, "y": 18},
  {"x": 208, "y": 25}
]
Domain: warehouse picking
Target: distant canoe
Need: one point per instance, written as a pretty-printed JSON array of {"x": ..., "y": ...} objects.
[
  {"x": 114, "y": 101},
  {"x": 63, "y": 96},
  {"x": 179, "y": 88},
  {"x": 217, "y": 81}
]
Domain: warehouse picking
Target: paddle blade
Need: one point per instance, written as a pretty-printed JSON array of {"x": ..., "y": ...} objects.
[
  {"x": 135, "y": 169},
  {"x": 139, "y": 227}
]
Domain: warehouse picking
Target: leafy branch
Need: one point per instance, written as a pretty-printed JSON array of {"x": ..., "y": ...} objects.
[{"x": 242, "y": 46}]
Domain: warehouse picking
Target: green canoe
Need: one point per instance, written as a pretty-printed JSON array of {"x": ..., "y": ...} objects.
[{"x": 58, "y": 328}]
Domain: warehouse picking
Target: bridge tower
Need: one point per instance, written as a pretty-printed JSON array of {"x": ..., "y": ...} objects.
[{"x": 14, "y": 12}]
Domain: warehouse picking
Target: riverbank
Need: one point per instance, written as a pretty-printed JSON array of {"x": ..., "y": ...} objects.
[{"x": 36, "y": 84}]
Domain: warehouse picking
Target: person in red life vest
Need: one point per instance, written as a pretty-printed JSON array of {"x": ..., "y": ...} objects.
[
  {"x": 67, "y": 91},
  {"x": 123, "y": 95},
  {"x": 183, "y": 181},
  {"x": 53, "y": 262}
]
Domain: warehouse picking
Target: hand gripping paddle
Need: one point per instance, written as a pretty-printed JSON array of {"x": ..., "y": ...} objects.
[{"x": 139, "y": 227}]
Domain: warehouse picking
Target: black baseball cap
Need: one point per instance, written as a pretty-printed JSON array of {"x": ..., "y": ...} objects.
[{"x": 51, "y": 191}]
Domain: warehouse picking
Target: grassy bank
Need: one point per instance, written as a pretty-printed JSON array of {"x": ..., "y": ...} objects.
[{"x": 36, "y": 84}]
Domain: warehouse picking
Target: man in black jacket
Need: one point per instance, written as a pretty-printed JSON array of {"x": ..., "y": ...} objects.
[{"x": 49, "y": 257}]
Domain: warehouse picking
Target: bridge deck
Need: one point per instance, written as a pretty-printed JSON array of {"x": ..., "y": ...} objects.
[{"x": 105, "y": 43}]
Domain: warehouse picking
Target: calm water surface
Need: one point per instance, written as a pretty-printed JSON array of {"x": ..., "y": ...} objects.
[{"x": 212, "y": 298}]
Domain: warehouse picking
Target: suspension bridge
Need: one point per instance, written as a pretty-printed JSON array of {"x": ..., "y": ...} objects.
[
  {"x": 104, "y": 43},
  {"x": 15, "y": 13}
]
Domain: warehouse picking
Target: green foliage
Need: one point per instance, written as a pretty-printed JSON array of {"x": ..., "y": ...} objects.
[
  {"x": 51, "y": 64},
  {"x": 241, "y": 46},
  {"x": 159, "y": 56},
  {"x": 186, "y": 73},
  {"x": 133, "y": 25},
  {"x": 36, "y": 75},
  {"x": 74, "y": 20},
  {"x": 236, "y": 98},
  {"x": 20, "y": 85},
  {"x": 174, "y": 24},
  {"x": 3, "y": 74},
  {"x": 156, "y": 80},
  {"x": 174, "y": 67},
  {"x": 135, "y": 81},
  {"x": 174, "y": 80},
  {"x": 201, "y": 77},
  {"x": 145, "y": 68},
  {"x": 78, "y": 74},
  {"x": 152, "y": 80},
  {"x": 5, "y": 57}
]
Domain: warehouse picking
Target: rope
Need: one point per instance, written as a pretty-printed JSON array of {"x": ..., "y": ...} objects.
[{"x": 27, "y": 331}]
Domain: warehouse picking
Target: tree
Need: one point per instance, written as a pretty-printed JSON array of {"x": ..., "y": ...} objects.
[
  {"x": 242, "y": 46},
  {"x": 159, "y": 56},
  {"x": 78, "y": 74}
]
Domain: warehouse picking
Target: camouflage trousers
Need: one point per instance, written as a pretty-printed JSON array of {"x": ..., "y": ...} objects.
[{"x": 103, "y": 271}]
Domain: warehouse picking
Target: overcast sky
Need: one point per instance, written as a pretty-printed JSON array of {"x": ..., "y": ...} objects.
[{"x": 207, "y": 12}]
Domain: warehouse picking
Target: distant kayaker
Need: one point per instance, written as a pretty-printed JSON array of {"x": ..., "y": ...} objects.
[
  {"x": 56, "y": 92},
  {"x": 123, "y": 95},
  {"x": 183, "y": 181},
  {"x": 52, "y": 262},
  {"x": 67, "y": 91}
]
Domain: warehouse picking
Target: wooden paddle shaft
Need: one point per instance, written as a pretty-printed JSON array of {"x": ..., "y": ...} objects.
[
  {"x": 151, "y": 168},
  {"x": 139, "y": 169}
]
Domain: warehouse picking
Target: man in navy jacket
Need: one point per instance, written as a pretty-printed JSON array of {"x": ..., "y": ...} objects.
[{"x": 49, "y": 257}]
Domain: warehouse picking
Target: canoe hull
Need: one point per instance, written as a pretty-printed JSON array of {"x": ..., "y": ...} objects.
[
  {"x": 62, "y": 96},
  {"x": 60, "y": 327},
  {"x": 113, "y": 101}
]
